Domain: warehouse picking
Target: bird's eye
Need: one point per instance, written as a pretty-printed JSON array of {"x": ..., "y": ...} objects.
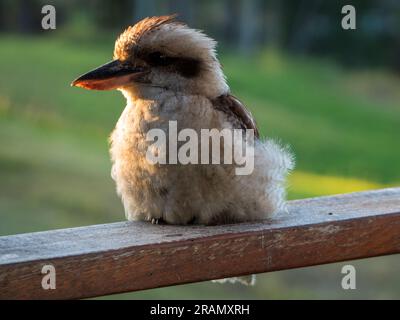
[{"x": 159, "y": 59}]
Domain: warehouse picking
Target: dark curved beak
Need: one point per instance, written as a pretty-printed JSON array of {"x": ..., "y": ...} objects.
[{"x": 112, "y": 75}]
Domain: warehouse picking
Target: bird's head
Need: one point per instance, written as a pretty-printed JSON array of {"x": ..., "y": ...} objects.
[{"x": 159, "y": 52}]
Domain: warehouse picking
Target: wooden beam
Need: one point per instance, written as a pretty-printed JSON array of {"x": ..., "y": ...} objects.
[{"x": 128, "y": 256}]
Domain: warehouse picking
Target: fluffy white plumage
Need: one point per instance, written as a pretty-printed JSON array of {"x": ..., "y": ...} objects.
[
  {"x": 205, "y": 194},
  {"x": 178, "y": 77},
  {"x": 180, "y": 194}
]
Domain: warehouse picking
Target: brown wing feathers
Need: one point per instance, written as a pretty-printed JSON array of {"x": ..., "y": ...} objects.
[{"x": 236, "y": 112}]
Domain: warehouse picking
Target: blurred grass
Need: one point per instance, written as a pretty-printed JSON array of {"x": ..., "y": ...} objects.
[{"x": 343, "y": 126}]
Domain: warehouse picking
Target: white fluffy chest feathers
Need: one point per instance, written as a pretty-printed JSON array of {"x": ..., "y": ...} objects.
[{"x": 140, "y": 116}]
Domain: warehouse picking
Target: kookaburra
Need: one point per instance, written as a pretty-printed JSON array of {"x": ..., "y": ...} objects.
[{"x": 170, "y": 72}]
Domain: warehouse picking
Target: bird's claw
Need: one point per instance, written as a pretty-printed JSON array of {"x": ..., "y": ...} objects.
[{"x": 154, "y": 221}]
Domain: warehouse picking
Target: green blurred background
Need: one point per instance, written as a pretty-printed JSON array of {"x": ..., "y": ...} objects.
[{"x": 333, "y": 95}]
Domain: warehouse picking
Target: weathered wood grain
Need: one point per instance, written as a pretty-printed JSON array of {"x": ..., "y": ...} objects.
[{"x": 127, "y": 256}]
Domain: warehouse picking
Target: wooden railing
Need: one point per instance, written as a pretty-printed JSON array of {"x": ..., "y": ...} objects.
[{"x": 128, "y": 256}]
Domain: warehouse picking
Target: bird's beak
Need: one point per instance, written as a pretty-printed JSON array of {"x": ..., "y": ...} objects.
[{"x": 112, "y": 75}]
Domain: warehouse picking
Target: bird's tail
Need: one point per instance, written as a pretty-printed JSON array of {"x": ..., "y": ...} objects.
[{"x": 249, "y": 280}]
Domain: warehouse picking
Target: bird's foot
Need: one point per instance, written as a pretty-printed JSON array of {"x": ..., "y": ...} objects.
[{"x": 156, "y": 221}]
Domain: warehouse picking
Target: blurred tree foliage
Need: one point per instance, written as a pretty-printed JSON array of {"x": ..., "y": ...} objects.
[{"x": 299, "y": 26}]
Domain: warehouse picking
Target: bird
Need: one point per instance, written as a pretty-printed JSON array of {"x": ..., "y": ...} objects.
[{"x": 167, "y": 72}]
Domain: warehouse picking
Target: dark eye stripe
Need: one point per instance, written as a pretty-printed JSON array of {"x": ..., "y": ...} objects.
[
  {"x": 186, "y": 67},
  {"x": 158, "y": 59}
]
